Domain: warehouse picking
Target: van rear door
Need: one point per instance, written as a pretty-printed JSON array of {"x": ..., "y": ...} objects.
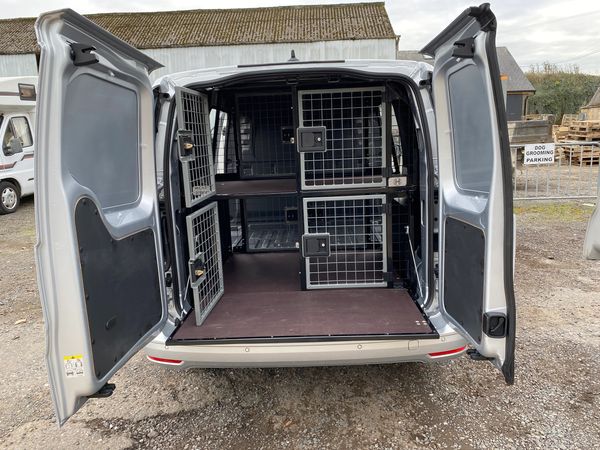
[
  {"x": 591, "y": 246},
  {"x": 476, "y": 229},
  {"x": 98, "y": 254}
]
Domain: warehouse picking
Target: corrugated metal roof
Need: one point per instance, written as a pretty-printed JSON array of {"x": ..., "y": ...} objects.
[
  {"x": 517, "y": 81},
  {"x": 210, "y": 27}
]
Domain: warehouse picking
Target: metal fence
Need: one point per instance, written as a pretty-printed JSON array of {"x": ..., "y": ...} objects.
[{"x": 571, "y": 173}]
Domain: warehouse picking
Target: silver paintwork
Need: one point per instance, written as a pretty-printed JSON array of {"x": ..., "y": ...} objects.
[
  {"x": 480, "y": 209},
  {"x": 57, "y": 192}
]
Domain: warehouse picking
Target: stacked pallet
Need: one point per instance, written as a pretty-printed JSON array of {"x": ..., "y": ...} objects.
[
  {"x": 567, "y": 119},
  {"x": 584, "y": 130},
  {"x": 560, "y": 132},
  {"x": 579, "y": 154}
]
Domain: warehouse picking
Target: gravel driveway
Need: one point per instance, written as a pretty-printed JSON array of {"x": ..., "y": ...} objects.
[{"x": 555, "y": 402}]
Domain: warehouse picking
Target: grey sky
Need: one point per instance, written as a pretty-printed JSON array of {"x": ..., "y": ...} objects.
[{"x": 558, "y": 31}]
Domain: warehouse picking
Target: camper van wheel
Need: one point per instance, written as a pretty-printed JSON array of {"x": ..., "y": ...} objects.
[{"x": 10, "y": 197}]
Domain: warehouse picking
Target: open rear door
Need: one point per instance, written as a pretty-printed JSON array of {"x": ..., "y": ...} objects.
[
  {"x": 476, "y": 229},
  {"x": 99, "y": 260},
  {"x": 591, "y": 246}
]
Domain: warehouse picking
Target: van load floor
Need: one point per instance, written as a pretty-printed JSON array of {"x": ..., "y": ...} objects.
[{"x": 263, "y": 299}]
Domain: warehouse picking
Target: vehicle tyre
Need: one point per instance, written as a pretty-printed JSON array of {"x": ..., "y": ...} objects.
[{"x": 10, "y": 197}]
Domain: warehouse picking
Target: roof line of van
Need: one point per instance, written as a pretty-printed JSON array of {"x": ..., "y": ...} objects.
[{"x": 287, "y": 63}]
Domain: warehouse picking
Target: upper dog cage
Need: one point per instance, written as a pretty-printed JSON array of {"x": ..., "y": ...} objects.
[
  {"x": 266, "y": 130},
  {"x": 355, "y": 144}
]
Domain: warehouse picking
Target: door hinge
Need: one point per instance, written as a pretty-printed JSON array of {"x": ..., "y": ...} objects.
[
  {"x": 476, "y": 356},
  {"x": 82, "y": 55},
  {"x": 104, "y": 392},
  {"x": 465, "y": 48}
]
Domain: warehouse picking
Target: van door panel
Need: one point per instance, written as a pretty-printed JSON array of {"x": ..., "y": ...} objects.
[
  {"x": 98, "y": 254},
  {"x": 476, "y": 220}
]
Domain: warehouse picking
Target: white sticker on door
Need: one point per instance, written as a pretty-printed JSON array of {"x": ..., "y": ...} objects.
[{"x": 73, "y": 365}]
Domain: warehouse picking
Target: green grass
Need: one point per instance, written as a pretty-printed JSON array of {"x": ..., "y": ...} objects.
[{"x": 563, "y": 211}]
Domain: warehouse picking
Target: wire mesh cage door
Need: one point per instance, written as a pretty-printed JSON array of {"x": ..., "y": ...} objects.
[
  {"x": 266, "y": 130},
  {"x": 355, "y": 145},
  {"x": 356, "y": 230},
  {"x": 205, "y": 244},
  {"x": 193, "y": 119}
]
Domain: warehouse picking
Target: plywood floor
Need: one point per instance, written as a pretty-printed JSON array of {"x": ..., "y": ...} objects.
[{"x": 263, "y": 299}]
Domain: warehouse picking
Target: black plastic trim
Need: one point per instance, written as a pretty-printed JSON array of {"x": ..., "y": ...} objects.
[
  {"x": 107, "y": 39},
  {"x": 284, "y": 339},
  {"x": 482, "y": 14},
  {"x": 508, "y": 367}
]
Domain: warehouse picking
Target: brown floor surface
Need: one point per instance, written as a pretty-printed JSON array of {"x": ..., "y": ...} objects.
[{"x": 263, "y": 299}]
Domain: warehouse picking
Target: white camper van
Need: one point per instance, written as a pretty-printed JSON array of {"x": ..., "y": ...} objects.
[
  {"x": 17, "y": 116},
  {"x": 291, "y": 214}
]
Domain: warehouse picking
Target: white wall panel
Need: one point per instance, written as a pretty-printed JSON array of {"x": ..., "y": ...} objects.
[
  {"x": 17, "y": 65},
  {"x": 180, "y": 59}
]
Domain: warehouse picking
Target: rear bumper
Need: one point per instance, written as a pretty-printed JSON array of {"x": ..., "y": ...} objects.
[{"x": 307, "y": 353}]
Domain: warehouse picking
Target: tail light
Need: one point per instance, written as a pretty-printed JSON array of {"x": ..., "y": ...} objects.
[{"x": 454, "y": 351}]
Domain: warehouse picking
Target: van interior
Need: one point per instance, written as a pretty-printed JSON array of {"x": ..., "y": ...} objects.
[{"x": 313, "y": 227}]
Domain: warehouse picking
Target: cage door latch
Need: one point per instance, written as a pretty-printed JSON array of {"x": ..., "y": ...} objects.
[
  {"x": 197, "y": 270},
  {"x": 185, "y": 145}
]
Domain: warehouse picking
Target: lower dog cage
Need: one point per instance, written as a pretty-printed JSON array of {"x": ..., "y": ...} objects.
[{"x": 276, "y": 258}]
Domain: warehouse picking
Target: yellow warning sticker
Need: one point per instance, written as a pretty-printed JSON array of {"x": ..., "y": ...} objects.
[{"x": 73, "y": 365}]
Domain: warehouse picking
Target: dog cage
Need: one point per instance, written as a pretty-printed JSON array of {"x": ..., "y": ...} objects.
[
  {"x": 206, "y": 265},
  {"x": 354, "y": 154},
  {"x": 271, "y": 223},
  {"x": 195, "y": 145},
  {"x": 345, "y": 241},
  {"x": 266, "y": 132}
]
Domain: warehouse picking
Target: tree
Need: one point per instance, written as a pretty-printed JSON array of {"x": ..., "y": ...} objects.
[{"x": 560, "y": 89}]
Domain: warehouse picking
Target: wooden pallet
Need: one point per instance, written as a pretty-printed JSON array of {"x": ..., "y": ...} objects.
[
  {"x": 584, "y": 137},
  {"x": 579, "y": 154},
  {"x": 567, "y": 119}
]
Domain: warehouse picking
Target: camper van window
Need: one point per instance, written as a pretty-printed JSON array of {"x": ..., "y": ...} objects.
[
  {"x": 17, "y": 127},
  {"x": 22, "y": 131}
]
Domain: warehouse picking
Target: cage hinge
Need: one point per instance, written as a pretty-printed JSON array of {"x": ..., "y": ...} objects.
[
  {"x": 388, "y": 207},
  {"x": 389, "y": 277}
]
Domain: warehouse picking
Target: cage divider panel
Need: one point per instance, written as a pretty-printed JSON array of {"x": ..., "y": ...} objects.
[
  {"x": 355, "y": 155},
  {"x": 204, "y": 240},
  {"x": 271, "y": 223},
  {"x": 198, "y": 170},
  {"x": 357, "y": 227},
  {"x": 264, "y": 121}
]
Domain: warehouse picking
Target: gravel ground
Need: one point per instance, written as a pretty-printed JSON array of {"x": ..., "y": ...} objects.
[{"x": 460, "y": 404}]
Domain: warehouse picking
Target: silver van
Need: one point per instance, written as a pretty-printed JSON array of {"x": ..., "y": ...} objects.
[{"x": 290, "y": 214}]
